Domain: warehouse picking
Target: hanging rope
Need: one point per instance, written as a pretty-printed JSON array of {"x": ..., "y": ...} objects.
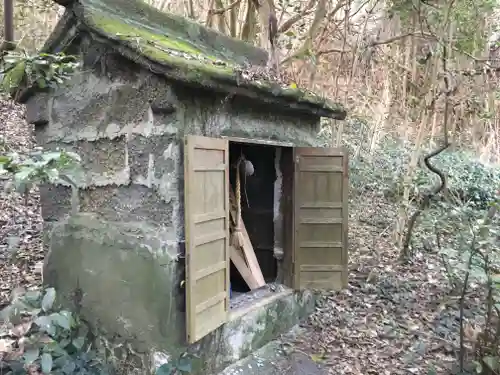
[{"x": 237, "y": 233}]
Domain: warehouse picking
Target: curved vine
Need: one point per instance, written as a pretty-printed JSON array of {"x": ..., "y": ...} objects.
[{"x": 424, "y": 203}]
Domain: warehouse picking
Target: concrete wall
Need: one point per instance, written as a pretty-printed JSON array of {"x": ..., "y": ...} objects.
[{"x": 128, "y": 127}]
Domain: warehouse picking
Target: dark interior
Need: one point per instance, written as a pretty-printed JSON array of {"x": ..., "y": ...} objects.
[{"x": 257, "y": 213}]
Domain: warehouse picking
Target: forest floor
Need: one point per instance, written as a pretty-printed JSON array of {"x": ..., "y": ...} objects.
[
  {"x": 392, "y": 319},
  {"x": 20, "y": 217}
]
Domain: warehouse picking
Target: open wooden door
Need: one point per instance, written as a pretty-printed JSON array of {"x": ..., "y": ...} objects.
[
  {"x": 206, "y": 199},
  {"x": 320, "y": 218}
]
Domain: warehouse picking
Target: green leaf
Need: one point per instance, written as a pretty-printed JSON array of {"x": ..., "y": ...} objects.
[
  {"x": 33, "y": 296},
  {"x": 491, "y": 362},
  {"x": 41, "y": 83},
  {"x": 479, "y": 366},
  {"x": 56, "y": 350},
  {"x": 165, "y": 369},
  {"x": 46, "y": 363},
  {"x": 14, "y": 77},
  {"x": 49, "y": 156},
  {"x": 69, "y": 367},
  {"x": 24, "y": 173},
  {"x": 78, "y": 342},
  {"x": 62, "y": 320},
  {"x": 48, "y": 299},
  {"x": 31, "y": 355},
  {"x": 496, "y": 279},
  {"x": 52, "y": 175},
  {"x": 64, "y": 342},
  {"x": 45, "y": 324},
  {"x": 4, "y": 159},
  {"x": 184, "y": 365}
]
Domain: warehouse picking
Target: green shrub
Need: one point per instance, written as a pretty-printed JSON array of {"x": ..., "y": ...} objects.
[
  {"x": 38, "y": 72},
  {"x": 468, "y": 179},
  {"x": 36, "y": 337}
]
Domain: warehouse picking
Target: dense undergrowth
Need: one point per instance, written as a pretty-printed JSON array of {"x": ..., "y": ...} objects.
[{"x": 461, "y": 226}]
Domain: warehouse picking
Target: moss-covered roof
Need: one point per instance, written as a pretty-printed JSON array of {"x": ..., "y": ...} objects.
[{"x": 186, "y": 51}]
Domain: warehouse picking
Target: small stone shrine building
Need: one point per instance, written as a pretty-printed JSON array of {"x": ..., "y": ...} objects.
[{"x": 160, "y": 113}]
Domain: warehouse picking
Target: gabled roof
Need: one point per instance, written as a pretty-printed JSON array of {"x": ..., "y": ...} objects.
[{"x": 184, "y": 51}]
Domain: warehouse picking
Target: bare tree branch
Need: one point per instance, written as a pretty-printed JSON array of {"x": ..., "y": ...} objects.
[
  {"x": 248, "y": 31},
  {"x": 332, "y": 50},
  {"x": 292, "y": 20},
  {"x": 319, "y": 16},
  {"x": 223, "y": 10},
  {"x": 405, "y": 251},
  {"x": 402, "y": 36}
]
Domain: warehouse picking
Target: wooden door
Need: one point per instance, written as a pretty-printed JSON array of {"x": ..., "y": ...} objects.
[
  {"x": 206, "y": 199},
  {"x": 320, "y": 218}
]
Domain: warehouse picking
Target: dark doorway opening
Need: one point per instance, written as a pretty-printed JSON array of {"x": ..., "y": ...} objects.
[{"x": 258, "y": 211}]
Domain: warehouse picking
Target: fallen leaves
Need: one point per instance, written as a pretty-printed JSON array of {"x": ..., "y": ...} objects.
[
  {"x": 393, "y": 318},
  {"x": 20, "y": 219}
]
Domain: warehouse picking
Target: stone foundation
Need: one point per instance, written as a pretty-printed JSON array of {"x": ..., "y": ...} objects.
[{"x": 131, "y": 277}]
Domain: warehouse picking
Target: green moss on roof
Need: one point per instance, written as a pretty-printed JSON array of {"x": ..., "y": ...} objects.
[{"x": 191, "y": 52}]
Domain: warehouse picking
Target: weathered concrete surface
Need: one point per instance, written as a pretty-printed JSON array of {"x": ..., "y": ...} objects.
[
  {"x": 124, "y": 250},
  {"x": 130, "y": 277},
  {"x": 128, "y": 127},
  {"x": 249, "y": 330},
  {"x": 274, "y": 359}
]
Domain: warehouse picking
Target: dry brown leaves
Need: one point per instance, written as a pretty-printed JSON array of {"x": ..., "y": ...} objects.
[
  {"x": 20, "y": 219},
  {"x": 393, "y": 318}
]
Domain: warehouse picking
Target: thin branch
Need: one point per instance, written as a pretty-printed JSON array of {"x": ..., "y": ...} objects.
[
  {"x": 291, "y": 21},
  {"x": 319, "y": 16},
  {"x": 332, "y": 50},
  {"x": 402, "y": 36},
  {"x": 225, "y": 9}
]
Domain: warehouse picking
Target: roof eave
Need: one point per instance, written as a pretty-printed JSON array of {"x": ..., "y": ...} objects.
[{"x": 218, "y": 84}]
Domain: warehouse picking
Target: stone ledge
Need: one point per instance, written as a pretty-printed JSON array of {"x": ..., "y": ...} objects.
[
  {"x": 250, "y": 329},
  {"x": 273, "y": 360}
]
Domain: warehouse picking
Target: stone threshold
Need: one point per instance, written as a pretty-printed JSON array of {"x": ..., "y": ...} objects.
[
  {"x": 246, "y": 302},
  {"x": 251, "y": 326}
]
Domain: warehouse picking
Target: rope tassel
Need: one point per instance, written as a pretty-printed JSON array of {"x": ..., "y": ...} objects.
[{"x": 238, "y": 239}]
